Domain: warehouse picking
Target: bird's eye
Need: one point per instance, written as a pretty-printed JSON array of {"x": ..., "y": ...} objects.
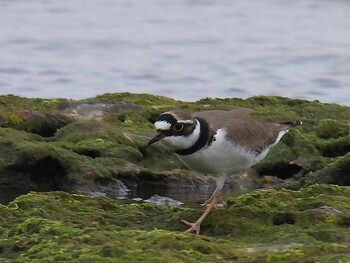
[{"x": 178, "y": 127}]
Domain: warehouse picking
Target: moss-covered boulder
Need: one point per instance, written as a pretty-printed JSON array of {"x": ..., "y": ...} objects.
[
  {"x": 100, "y": 143},
  {"x": 311, "y": 225}
]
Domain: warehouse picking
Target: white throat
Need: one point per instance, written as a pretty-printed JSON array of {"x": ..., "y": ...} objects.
[{"x": 183, "y": 142}]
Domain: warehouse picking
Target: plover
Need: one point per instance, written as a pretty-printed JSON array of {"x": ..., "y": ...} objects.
[{"x": 219, "y": 143}]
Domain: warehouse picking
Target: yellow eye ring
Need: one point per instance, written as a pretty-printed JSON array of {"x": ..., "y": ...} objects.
[{"x": 178, "y": 127}]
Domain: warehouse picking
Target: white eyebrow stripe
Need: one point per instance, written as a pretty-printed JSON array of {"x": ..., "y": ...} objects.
[
  {"x": 162, "y": 125},
  {"x": 185, "y": 121}
]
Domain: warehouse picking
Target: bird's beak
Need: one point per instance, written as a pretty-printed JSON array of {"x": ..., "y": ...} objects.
[{"x": 157, "y": 137}]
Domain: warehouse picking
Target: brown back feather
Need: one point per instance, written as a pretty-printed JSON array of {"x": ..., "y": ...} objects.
[{"x": 243, "y": 129}]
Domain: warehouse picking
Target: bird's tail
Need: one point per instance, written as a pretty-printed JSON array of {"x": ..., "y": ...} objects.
[{"x": 291, "y": 124}]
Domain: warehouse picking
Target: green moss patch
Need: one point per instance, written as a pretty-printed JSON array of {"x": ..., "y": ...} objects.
[
  {"x": 103, "y": 140},
  {"x": 266, "y": 226}
]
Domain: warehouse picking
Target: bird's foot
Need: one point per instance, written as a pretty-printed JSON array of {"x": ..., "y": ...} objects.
[{"x": 194, "y": 227}]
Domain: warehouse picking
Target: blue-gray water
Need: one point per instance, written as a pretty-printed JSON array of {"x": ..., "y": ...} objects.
[{"x": 186, "y": 49}]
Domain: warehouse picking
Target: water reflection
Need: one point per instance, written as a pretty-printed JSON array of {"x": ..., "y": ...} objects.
[{"x": 190, "y": 197}]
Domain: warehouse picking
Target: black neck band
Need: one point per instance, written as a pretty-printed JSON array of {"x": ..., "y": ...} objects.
[{"x": 204, "y": 139}]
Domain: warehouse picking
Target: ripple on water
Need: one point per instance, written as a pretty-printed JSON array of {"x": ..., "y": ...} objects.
[
  {"x": 12, "y": 71},
  {"x": 327, "y": 83},
  {"x": 182, "y": 46}
]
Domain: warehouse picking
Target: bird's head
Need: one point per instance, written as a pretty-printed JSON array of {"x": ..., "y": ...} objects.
[{"x": 177, "y": 129}]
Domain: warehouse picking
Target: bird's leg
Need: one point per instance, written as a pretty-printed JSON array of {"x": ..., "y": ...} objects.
[
  {"x": 220, "y": 199},
  {"x": 195, "y": 227},
  {"x": 217, "y": 195}
]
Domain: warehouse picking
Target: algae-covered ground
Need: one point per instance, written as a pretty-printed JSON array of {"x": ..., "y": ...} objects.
[
  {"x": 99, "y": 145},
  {"x": 310, "y": 225}
]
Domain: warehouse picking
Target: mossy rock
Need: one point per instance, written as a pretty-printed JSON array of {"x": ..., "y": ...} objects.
[
  {"x": 113, "y": 146},
  {"x": 331, "y": 128},
  {"x": 43, "y": 124},
  {"x": 338, "y": 172},
  {"x": 311, "y": 225}
]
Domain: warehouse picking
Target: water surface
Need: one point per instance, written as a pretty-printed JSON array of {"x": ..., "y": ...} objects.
[{"x": 186, "y": 49}]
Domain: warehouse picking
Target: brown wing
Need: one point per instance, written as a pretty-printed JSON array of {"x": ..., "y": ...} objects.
[{"x": 244, "y": 130}]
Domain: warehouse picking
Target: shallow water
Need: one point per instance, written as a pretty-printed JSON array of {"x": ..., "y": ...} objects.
[
  {"x": 189, "y": 197},
  {"x": 183, "y": 49}
]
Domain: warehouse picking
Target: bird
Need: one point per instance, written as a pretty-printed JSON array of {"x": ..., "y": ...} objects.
[{"x": 219, "y": 143}]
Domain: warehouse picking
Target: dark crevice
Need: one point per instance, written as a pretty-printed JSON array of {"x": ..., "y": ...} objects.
[
  {"x": 43, "y": 124},
  {"x": 281, "y": 170},
  {"x": 45, "y": 174},
  {"x": 45, "y": 131},
  {"x": 48, "y": 174},
  {"x": 284, "y": 218},
  {"x": 344, "y": 221},
  {"x": 336, "y": 151},
  {"x": 89, "y": 152}
]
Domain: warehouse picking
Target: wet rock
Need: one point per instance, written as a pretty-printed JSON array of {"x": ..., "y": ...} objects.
[
  {"x": 163, "y": 200},
  {"x": 110, "y": 187},
  {"x": 330, "y": 211},
  {"x": 95, "y": 110},
  {"x": 278, "y": 247}
]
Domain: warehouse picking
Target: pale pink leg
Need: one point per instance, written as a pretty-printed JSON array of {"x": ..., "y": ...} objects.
[
  {"x": 195, "y": 227},
  {"x": 213, "y": 201}
]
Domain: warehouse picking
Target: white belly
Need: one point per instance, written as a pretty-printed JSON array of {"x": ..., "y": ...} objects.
[{"x": 221, "y": 157}]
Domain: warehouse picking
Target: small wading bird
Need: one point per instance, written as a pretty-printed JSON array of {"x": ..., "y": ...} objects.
[{"x": 219, "y": 143}]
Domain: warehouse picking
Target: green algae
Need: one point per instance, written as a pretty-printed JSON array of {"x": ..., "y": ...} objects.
[
  {"x": 312, "y": 226},
  {"x": 88, "y": 150},
  {"x": 331, "y": 128},
  {"x": 11, "y": 104},
  {"x": 80, "y": 154},
  {"x": 337, "y": 172},
  {"x": 143, "y": 99}
]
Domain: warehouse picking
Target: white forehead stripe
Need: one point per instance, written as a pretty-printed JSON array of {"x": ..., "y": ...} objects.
[{"x": 162, "y": 125}]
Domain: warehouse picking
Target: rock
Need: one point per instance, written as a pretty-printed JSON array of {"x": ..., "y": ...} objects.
[
  {"x": 96, "y": 110},
  {"x": 337, "y": 172},
  {"x": 163, "y": 200},
  {"x": 99, "y": 144},
  {"x": 310, "y": 225},
  {"x": 41, "y": 123}
]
